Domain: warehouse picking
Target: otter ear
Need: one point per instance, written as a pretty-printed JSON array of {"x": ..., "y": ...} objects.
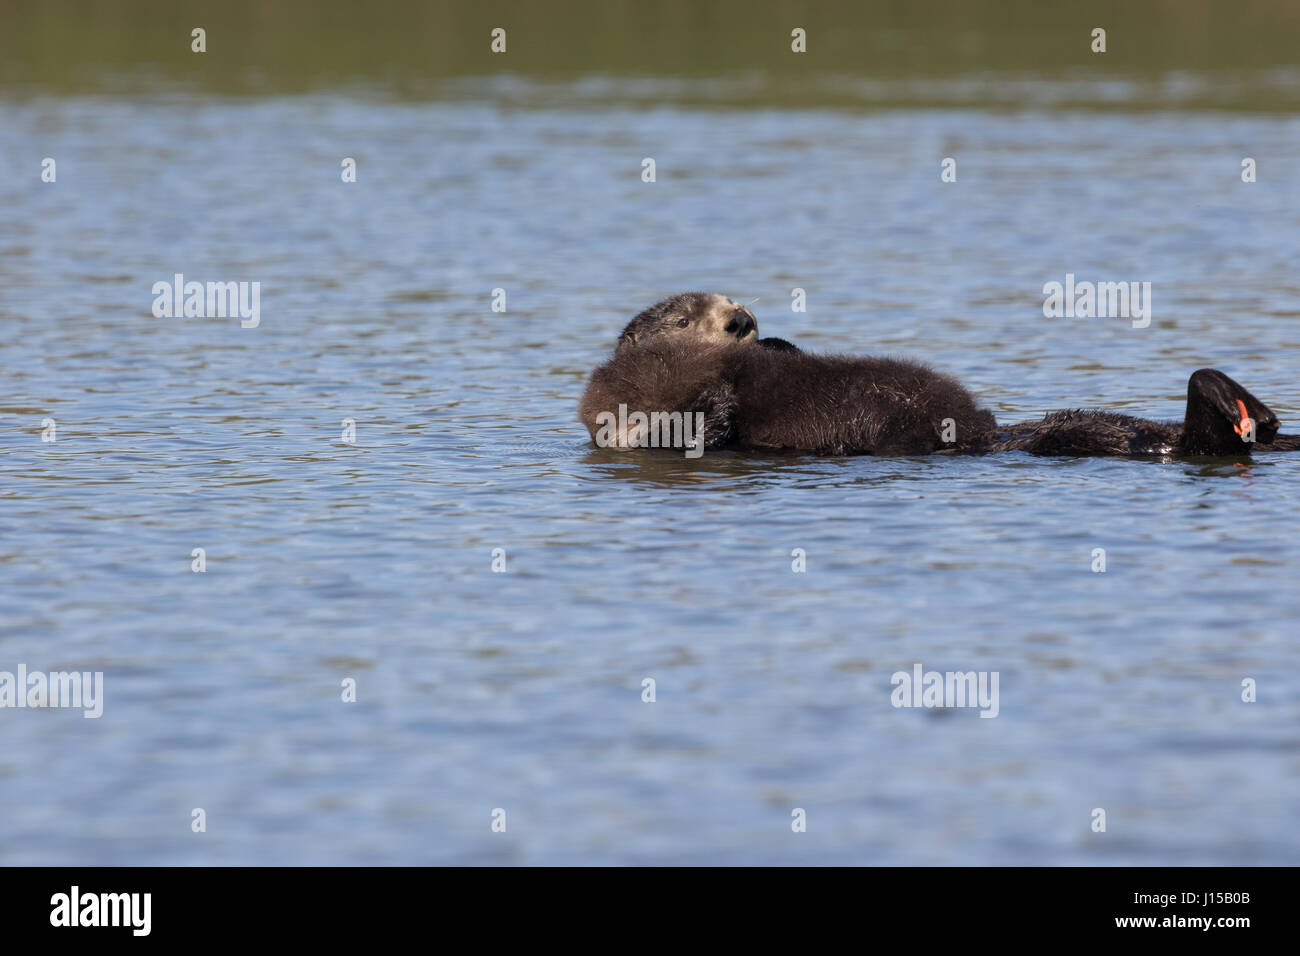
[{"x": 627, "y": 338}]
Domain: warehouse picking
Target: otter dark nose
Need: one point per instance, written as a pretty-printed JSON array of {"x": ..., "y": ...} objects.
[{"x": 740, "y": 324}]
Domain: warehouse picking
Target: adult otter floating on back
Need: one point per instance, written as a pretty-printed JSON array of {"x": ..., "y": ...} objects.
[{"x": 700, "y": 353}]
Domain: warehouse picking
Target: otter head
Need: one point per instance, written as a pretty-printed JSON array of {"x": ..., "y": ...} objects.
[
  {"x": 1221, "y": 414},
  {"x": 699, "y": 317}
]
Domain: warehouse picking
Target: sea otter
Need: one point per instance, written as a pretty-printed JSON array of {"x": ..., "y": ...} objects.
[{"x": 699, "y": 354}]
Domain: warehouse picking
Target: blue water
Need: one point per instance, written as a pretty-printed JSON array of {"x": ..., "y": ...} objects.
[{"x": 522, "y": 690}]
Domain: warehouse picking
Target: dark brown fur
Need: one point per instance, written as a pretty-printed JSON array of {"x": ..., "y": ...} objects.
[
  {"x": 774, "y": 398},
  {"x": 779, "y": 398}
]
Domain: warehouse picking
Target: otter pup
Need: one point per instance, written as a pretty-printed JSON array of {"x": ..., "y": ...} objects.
[{"x": 695, "y": 354}]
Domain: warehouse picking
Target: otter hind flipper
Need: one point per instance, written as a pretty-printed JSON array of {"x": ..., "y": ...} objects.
[{"x": 1223, "y": 418}]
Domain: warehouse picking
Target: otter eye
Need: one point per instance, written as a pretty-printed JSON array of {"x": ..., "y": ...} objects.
[{"x": 682, "y": 323}]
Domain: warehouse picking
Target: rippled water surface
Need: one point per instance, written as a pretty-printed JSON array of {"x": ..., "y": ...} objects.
[{"x": 522, "y": 690}]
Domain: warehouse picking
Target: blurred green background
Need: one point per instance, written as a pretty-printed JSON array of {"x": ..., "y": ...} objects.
[{"x": 1238, "y": 55}]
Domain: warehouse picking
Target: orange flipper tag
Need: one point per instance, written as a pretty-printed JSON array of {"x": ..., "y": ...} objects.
[{"x": 1242, "y": 426}]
